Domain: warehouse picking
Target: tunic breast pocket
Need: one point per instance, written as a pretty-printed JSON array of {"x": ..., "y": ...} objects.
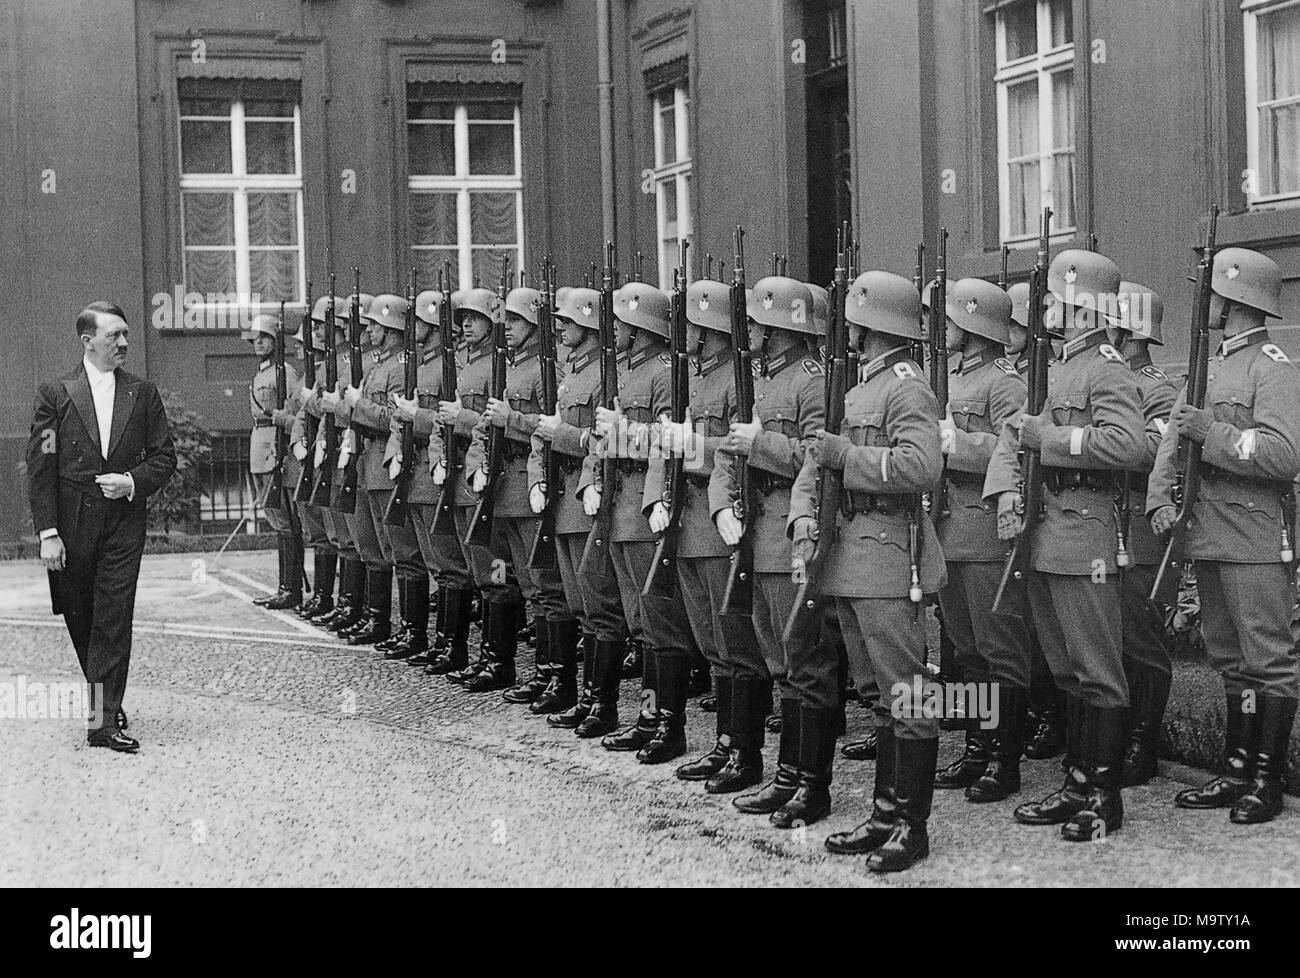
[
  {"x": 1070, "y": 408},
  {"x": 711, "y": 420},
  {"x": 866, "y": 428},
  {"x": 971, "y": 414},
  {"x": 782, "y": 419},
  {"x": 637, "y": 408},
  {"x": 1236, "y": 407}
]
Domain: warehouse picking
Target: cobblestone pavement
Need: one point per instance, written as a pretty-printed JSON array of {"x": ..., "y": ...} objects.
[{"x": 272, "y": 755}]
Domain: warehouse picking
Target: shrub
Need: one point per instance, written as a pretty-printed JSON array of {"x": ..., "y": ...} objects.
[{"x": 176, "y": 505}]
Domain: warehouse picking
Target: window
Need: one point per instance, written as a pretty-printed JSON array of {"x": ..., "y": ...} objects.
[
  {"x": 830, "y": 166},
  {"x": 241, "y": 192},
  {"x": 1273, "y": 99},
  {"x": 672, "y": 176},
  {"x": 466, "y": 185},
  {"x": 1035, "y": 95}
]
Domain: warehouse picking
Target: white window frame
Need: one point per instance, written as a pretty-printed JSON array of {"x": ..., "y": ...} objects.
[
  {"x": 1043, "y": 64},
  {"x": 1252, "y": 11},
  {"x": 678, "y": 172},
  {"x": 462, "y": 183},
  {"x": 240, "y": 183}
]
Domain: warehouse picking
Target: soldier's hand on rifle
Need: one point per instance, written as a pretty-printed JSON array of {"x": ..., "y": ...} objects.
[
  {"x": 740, "y": 439},
  {"x": 1163, "y": 520},
  {"x": 1031, "y": 435},
  {"x": 537, "y": 497},
  {"x": 347, "y": 447},
  {"x": 395, "y": 467},
  {"x": 351, "y": 395},
  {"x": 282, "y": 418},
  {"x": 547, "y": 425},
  {"x": 659, "y": 517},
  {"x": 404, "y": 409},
  {"x": 1192, "y": 422},
  {"x": 300, "y": 450},
  {"x": 802, "y": 543},
  {"x": 1009, "y": 521},
  {"x": 674, "y": 438},
  {"x": 729, "y": 527},
  {"x": 329, "y": 400},
  {"x": 320, "y": 454},
  {"x": 496, "y": 412},
  {"x": 439, "y": 472},
  {"x": 448, "y": 411},
  {"x": 947, "y": 434},
  {"x": 307, "y": 393},
  {"x": 829, "y": 450},
  {"x": 591, "y": 501},
  {"x": 478, "y": 481},
  {"x": 607, "y": 419}
]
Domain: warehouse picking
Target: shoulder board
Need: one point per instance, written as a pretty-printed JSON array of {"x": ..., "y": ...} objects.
[
  {"x": 1154, "y": 372},
  {"x": 1006, "y": 366},
  {"x": 666, "y": 359},
  {"x": 1274, "y": 353},
  {"x": 906, "y": 370},
  {"x": 813, "y": 368},
  {"x": 1110, "y": 353}
]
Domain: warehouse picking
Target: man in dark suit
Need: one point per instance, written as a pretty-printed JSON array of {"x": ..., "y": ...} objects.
[{"x": 99, "y": 448}]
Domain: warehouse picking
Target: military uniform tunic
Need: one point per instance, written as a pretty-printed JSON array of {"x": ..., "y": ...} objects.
[
  {"x": 1249, "y": 462},
  {"x": 261, "y": 441}
]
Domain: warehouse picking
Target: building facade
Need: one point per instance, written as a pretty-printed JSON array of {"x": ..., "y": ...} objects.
[{"x": 186, "y": 158}]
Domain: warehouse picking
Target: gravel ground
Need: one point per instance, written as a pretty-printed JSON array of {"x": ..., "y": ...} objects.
[{"x": 274, "y": 757}]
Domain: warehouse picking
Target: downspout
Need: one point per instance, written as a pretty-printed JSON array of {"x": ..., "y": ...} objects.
[{"x": 604, "y": 70}]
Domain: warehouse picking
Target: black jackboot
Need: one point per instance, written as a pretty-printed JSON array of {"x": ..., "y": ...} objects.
[
  {"x": 356, "y": 604},
  {"x": 1262, "y": 801},
  {"x": 970, "y": 767},
  {"x": 672, "y": 676},
  {"x": 527, "y": 692},
  {"x": 706, "y": 766},
  {"x": 701, "y": 677},
  {"x": 1047, "y": 737},
  {"x": 1060, "y": 806},
  {"x": 1105, "y": 732},
  {"x": 782, "y": 787},
  {"x": 439, "y": 644},
  {"x": 636, "y": 736},
  {"x": 871, "y": 834},
  {"x": 606, "y": 673},
  {"x": 499, "y": 670},
  {"x": 399, "y": 636},
  {"x": 1149, "y": 693},
  {"x": 570, "y": 718},
  {"x": 322, "y": 599},
  {"x": 811, "y": 802},
  {"x": 471, "y": 669},
  {"x": 379, "y": 589},
  {"x": 1240, "y": 738},
  {"x": 454, "y": 622},
  {"x": 749, "y": 702},
  {"x": 290, "y": 596},
  {"x": 561, "y": 691},
  {"x": 1002, "y": 776},
  {"x": 909, "y": 842},
  {"x": 416, "y": 641}
]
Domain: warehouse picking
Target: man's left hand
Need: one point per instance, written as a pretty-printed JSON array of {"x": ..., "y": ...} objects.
[
  {"x": 1031, "y": 433},
  {"x": 1192, "y": 422},
  {"x": 114, "y": 485},
  {"x": 404, "y": 409},
  {"x": 351, "y": 395},
  {"x": 830, "y": 449}
]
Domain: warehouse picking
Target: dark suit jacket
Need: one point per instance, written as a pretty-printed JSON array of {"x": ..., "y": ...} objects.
[{"x": 63, "y": 452}]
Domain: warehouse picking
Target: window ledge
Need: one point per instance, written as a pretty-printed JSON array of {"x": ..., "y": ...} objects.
[{"x": 1276, "y": 224}]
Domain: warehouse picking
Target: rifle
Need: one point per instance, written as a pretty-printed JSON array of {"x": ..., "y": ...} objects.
[
  {"x": 345, "y": 490},
  {"x": 323, "y": 486},
  {"x": 307, "y": 478},
  {"x": 918, "y": 281},
  {"x": 543, "y": 556},
  {"x": 1187, "y": 478},
  {"x": 399, "y": 502},
  {"x": 939, "y": 360},
  {"x": 1031, "y": 478},
  {"x": 595, "y": 554},
  {"x": 830, "y": 482},
  {"x": 444, "y": 521},
  {"x": 276, "y": 497},
  {"x": 738, "y": 598},
  {"x": 480, "y": 527},
  {"x": 1002, "y": 272},
  {"x": 661, "y": 581}
]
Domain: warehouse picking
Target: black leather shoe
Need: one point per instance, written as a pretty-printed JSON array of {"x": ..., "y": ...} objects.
[
  {"x": 1262, "y": 801},
  {"x": 602, "y": 719},
  {"x": 360, "y": 623},
  {"x": 744, "y": 769},
  {"x": 708, "y": 704},
  {"x": 631, "y": 738},
  {"x": 1001, "y": 778},
  {"x": 785, "y": 783},
  {"x": 668, "y": 742},
  {"x": 705, "y": 767},
  {"x": 122, "y": 721},
  {"x": 285, "y": 601},
  {"x": 266, "y": 599},
  {"x": 527, "y": 692},
  {"x": 812, "y": 801},
  {"x": 871, "y": 834},
  {"x": 399, "y": 637},
  {"x": 861, "y": 750},
  {"x": 117, "y": 741},
  {"x": 1058, "y": 807},
  {"x": 909, "y": 842},
  {"x": 970, "y": 766},
  {"x": 376, "y": 631},
  {"x": 906, "y": 846},
  {"x": 416, "y": 643}
]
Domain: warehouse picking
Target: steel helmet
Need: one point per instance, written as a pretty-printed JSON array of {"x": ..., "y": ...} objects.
[
  {"x": 388, "y": 310},
  {"x": 1084, "y": 280},
  {"x": 262, "y": 323},
  {"x": 981, "y": 308},
  {"x": 1140, "y": 311},
  {"x": 821, "y": 308},
  {"x": 426, "y": 306},
  {"x": 318, "y": 309},
  {"x": 561, "y": 292},
  {"x": 644, "y": 307},
  {"x": 579, "y": 305},
  {"x": 885, "y": 302},
  {"x": 783, "y": 303},
  {"x": 485, "y": 302},
  {"x": 1019, "y": 296},
  {"x": 708, "y": 305},
  {"x": 1247, "y": 277},
  {"x": 928, "y": 288},
  {"x": 524, "y": 302}
]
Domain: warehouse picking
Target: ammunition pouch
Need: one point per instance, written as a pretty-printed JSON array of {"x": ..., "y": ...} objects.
[
  {"x": 514, "y": 450},
  {"x": 886, "y": 504},
  {"x": 263, "y": 423},
  {"x": 1057, "y": 480}
]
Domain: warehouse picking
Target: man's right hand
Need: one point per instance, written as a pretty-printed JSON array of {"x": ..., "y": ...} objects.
[
  {"x": 448, "y": 411},
  {"x": 1163, "y": 520},
  {"x": 1009, "y": 521},
  {"x": 729, "y": 528},
  {"x": 53, "y": 556},
  {"x": 591, "y": 501}
]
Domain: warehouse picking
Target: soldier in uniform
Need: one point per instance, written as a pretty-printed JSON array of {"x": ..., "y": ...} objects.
[
  {"x": 1090, "y": 429},
  {"x": 789, "y": 406},
  {"x": 596, "y": 601},
  {"x": 740, "y": 677},
  {"x": 1241, "y": 531},
  {"x": 476, "y": 311},
  {"x": 325, "y": 554},
  {"x": 553, "y": 686},
  {"x": 984, "y": 390},
  {"x": 264, "y": 333},
  {"x": 1147, "y": 665},
  {"x": 441, "y": 551},
  {"x": 641, "y": 314},
  {"x": 889, "y": 454}
]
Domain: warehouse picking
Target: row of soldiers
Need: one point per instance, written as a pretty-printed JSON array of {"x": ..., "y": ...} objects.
[{"x": 1107, "y": 439}]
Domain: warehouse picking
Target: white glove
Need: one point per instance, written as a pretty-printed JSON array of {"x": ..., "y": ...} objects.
[
  {"x": 346, "y": 448},
  {"x": 591, "y": 501},
  {"x": 395, "y": 467},
  {"x": 478, "y": 481},
  {"x": 537, "y": 497},
  {"x": 659, "y": 518},
  {"x": 439, "y": 472},
  {"x": 299, "y": 451},
  {"x": 729, "y": 528},
  {"x": 308, "y": 393},
  {"x": 947, "y": 435},
  {"x": 320, "y": 454}
]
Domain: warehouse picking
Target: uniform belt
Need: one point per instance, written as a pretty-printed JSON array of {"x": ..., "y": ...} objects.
[
  {"x": 1057, "y": 480},
  {"x": 697, "y": 479},
  {"x": 966, "y": 479},
  {"x": 515, "y": 450},
  {"x": 263, "y": 423},
  {"x": 886, "y": 504},
  {"x": 630, "y": 466},
  {"x": 768, "y": 483},
  {"x": 1216, "y": 474}
]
